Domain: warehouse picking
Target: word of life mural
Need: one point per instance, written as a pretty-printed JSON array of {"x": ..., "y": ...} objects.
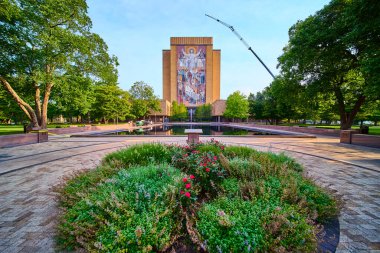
[{"x": 191, "y": 75}]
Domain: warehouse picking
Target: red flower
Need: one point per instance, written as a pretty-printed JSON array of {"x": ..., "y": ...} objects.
[
  {"x": 187, "y": 186},
  {"x": 192, "y": 177},
  {"x": 184, "y": 179},
  {"x": 187, "y": 194},
  {"x": 207, "y": 170},
  {"x": 215, "y": 158},
  {"x": 182, "y": 192}
]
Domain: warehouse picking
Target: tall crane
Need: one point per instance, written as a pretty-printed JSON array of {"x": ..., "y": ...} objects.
[{"x": 243, "y": 41}]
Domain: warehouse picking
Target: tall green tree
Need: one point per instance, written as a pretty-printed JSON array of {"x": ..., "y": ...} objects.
[
  {"x": 40, "y": 42},
  {"x": 256, "y": 105},
  {"x": 337, "y": 51},
  {"x": 143, "y": 100},
  {"x": 111, "y": 102},
  {"x": 236, "y": 106},
  {"x": 178, "y": 111},
  {"x": 203, "y": 112}
]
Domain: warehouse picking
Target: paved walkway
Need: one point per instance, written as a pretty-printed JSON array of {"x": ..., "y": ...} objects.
[{"x": 27, "y": 173}]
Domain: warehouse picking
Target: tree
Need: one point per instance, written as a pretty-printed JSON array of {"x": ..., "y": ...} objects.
[
  {"x": 143, "y": 100},
  {"x": 256, "y": 105},
  {"x": 41, "y": 41},
  {"x": 178, "y": 111},
  {"x": 9, "y": 110},
  {"x": 73, "y": 100},
  {"x": 111, "y": 102},
  {"x": 337, "y": 51},
  {"x": 203, "y": 112},
  {"x": 236, "y": 106}
]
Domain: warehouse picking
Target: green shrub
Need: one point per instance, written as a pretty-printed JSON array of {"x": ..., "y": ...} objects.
[
  {"x": 318, "y": 201},
  {"x": 238, "y": 151},
  {"x": 242, "y": 168},
  {"x": 210, "y": 146},
  {"x": 244, "y": 201},
  {"x": 267, "y": 158},
  {"x": 230, "y": 187},
  {"x": 81, "y": 183},
  {"x": 142, "y": 154},
  {"x": 205, "y": 148},
  {"x": 84, "y": 182},
  {"x": 269, "y": 176},
  {"x": 234, "y": 225},
  {"x": 134, "y": 210}
]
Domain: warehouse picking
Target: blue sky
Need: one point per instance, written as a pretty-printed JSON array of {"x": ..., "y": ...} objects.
[{"x": 137, "y": 31}]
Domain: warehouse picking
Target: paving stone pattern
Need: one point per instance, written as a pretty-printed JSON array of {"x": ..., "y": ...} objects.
[{"x": 28, "y": 210}]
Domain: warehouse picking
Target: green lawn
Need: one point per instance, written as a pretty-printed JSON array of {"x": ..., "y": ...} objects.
[
  {"x": 11, "y": 129},
  {"x": 373, "y": 130}
]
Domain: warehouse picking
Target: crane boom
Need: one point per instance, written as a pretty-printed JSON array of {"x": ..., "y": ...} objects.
[{"x": 243, "y": 41}]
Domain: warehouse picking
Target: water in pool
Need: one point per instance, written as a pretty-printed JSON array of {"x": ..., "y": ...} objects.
[{"x": 180, "y": 130}]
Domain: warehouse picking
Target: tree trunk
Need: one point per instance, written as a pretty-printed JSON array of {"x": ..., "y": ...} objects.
[
  {"x": 45, "y": 105},
  {"x": 37, "y": 101},
  {"x": 347, "y": 118},
  {"x": 27, "y": 109}
]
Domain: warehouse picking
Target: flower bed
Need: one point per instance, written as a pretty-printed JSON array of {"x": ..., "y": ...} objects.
[{"x": 207, "y": 197}]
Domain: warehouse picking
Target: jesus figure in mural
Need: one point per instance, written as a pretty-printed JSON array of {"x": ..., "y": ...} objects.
[{"x": 191, "y": 59}]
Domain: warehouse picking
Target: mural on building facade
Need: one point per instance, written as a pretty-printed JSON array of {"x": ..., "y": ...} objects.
[{"x": 191, "y": 75}]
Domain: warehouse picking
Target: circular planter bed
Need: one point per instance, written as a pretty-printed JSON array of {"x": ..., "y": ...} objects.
[{"x": 202, "y": 198}]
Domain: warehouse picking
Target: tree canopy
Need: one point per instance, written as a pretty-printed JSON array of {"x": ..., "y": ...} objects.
[
  {"x": 178, "y": 111},
  {"x": 203, "y": 112},
  {"x": 236, "y": 106},
  {"x": 143, "y": 100},
  {"x": 48, "y": 44},
  {"x": 336, "y": 51}
]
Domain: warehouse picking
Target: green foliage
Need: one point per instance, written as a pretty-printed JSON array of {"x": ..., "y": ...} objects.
[
  {"x": 87, "y": 181},
  {"x": 317, "y": 200},
  {"x": 234, "y": 225},
  {"x": 272, "y": 177},
  {"x": 236, "y": 106},
  {"x": 232, "y": 199},
  {"x": 141, "y": 154},
  {"x": 230, "y": 187},
  {"x": 143, "y": 100},
  {"x": 111, "y": 102},
  {"x": 208, "y": 147},
  {"x": 134, "y": 211},
  {"x": 45, "y": 46},
  {"x": 239, "y": 151},
  {"x": 178, "y": 111},
  {"x": 204, "y": 166},
  {"x": 335, "y": 51},
  {"x": 203, "y": 112},
  {"x": 11, "y": 129}
]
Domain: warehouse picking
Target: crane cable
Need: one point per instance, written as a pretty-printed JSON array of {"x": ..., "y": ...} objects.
[{"x": 243, "y": 41}]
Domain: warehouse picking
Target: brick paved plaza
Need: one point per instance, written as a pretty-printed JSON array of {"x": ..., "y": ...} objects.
[{"x": 27, "y": 174}]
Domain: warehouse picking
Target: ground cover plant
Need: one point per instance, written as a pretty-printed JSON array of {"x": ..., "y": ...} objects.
[{"x": 206, "y": 197}]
